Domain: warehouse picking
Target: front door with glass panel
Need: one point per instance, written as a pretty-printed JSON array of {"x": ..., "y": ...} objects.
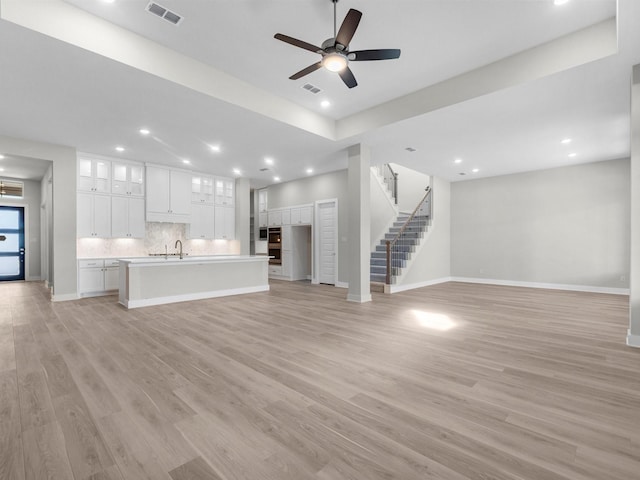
[{"x": 11, "y": 243}]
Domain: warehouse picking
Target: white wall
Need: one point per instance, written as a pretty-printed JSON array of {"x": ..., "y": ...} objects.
[
  {"x": 432, "y": 262},
  {"x": 63, "y": 240},
  {"x": 311, "y": 189},
  {"x": 566, "y": 226},
  {"x": 31, "y": 200}
]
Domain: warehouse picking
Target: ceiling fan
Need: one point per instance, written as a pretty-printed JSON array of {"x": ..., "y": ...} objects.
[{"x": 335, "y": 51}]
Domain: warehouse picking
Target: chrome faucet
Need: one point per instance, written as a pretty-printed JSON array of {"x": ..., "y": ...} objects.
[{"x": 176, "y": 246}]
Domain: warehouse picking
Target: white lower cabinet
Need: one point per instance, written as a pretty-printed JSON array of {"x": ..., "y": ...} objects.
[
  {"x": 98, "y": 276},
  {"x": 225, "y": 222}
]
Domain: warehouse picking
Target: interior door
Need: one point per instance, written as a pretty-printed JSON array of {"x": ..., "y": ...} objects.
[
  {"x": 328, "y": 231},
  {"x": 12, "y": 243}
]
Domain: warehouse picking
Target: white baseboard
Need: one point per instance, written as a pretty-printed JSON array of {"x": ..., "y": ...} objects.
[
  {"x": 550, "y": 286},
  {"x": 33, "y": 279},
  {"x": 411, "y": 286},
  {"x": 342, "y": 284},
  {"x": 633, "y": 340},
  {"x": 64, "y": 298},
  {"x": 358, "y": 298},
  {"x": 148, "y": 302}
]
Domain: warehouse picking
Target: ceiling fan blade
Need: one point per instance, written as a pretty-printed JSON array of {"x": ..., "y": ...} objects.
[
  {"x": 347, "y": 77},
  {"x": 297, "y": 43},
  {"x": 383, "y": 54},
  {"x": 348, "y": 27},
  {"x": 306, "y": 71}
]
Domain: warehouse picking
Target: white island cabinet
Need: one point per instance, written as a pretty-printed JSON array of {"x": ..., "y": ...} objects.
[{"x": 160, "y": 280}]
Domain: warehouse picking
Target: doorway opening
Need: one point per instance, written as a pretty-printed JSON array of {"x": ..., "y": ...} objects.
[{"x": 12, "y": 251}]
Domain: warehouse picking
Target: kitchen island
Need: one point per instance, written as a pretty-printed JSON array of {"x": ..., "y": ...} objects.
[{"x": 160, "y": 280}]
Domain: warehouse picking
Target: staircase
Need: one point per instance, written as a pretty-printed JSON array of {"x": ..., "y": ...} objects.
[{"x": 414, "y": 231}]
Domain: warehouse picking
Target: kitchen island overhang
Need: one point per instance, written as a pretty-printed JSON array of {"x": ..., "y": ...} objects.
[{"x": 159, "y": 280}]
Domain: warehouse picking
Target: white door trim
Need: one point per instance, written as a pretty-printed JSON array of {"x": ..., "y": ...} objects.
[{"x": 316, "y": 240}]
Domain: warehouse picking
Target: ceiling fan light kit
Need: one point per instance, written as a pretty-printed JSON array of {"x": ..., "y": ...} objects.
[{"x": 335, "y": 51}]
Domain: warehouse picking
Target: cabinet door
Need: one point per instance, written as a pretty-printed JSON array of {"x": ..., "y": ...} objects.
[
  {"x": 286, "y": 216},
  {"x": 102, "y": 176},
  {"x": 225, "y": 222},
  {"x": 295, "y": 216},
  {"x": 111, "y": 278},
  {"x": 286, "y": 263},
  {"x": 120, "y": 179},
  {"x": 136, "y": 180},
  {"x": 136, "y": 218},
  {"x": 275, "y": 218},
  {"x": 306, "y": 215},
  {"x": 262, "y": 200},
  {"x": 229, "y": 192},
  {"x": 90, "y": 280},
  {"x": 85, "y": 174},
  {"x": 286, "y": 238},
  {"x": 102, "y": 216},
  {"x": 201, "y": 220},
  {"x": 263, "y": 219},
  {"x": 85, "y": 215},
  {"x": 119, "y": 217},
  {"x": 158, "y": 180},
  {"x": 180, "y": 193}
]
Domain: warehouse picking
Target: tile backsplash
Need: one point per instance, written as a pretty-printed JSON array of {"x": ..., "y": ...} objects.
[{"x": 157, "y": 235}]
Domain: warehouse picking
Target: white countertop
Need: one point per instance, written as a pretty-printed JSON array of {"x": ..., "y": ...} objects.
[{"x": 189, "y": 260}]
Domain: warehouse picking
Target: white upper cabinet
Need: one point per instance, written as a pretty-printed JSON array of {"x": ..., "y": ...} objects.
[
  {"x": 275, "y": 218},
  {"x": 168, "y": 195},
  {"x": 202, "y": 221},
  {"x": 286, "y": 216},
  {"x": 127, "y": 217},
  {"x": 262, "y": 200},
  {"x": 93, "y": 216},
  {"x": 225, "y": 191},
  {"x": 202, "y": 189},
  {"x": 302, "y": 215},
  {"x": 225, "y": 222},
  {"x": 94, "y": 175},
  {"x": 127, "y": 179}
]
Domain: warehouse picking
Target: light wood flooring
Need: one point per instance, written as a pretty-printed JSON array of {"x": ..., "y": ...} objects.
[{"x": 297, "y": 383}]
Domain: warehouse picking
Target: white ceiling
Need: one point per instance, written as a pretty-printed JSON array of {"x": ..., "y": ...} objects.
[{"x": 56, "y": 92}]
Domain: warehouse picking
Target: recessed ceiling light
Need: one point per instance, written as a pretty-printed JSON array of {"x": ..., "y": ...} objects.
[
  {"x": 186, "y": 161},
  {"x": 565, "y": 141},
  {"x": 1, "y": 169},
  {"x": 325, "y": 103},
  {"x": 1, "y": 156},
  {"x": 457, "y": 160},
  {"x": 309, "y": 171},
  {"x": 276, "y": 179},
  {"x": 571, "y": 155},
  {"x": 268, "y": 160},
  {"x": 475, "y": 170},
  {"x": 236, "y": 171},
  {"x": 144, "y": 131},
  {"x": 120, "y": 149},
  {"x": 214, "y": 148},
  {"x": 560, "y": 2}
]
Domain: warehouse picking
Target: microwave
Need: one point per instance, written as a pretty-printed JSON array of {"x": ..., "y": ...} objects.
[{"x": 263, "y": 234}]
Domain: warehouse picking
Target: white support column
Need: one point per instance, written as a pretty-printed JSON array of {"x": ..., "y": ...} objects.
[
  {"x": 359, "y": 223},
  {"x": 633, "y": 338},
  {"x": 243, "y": 214}
]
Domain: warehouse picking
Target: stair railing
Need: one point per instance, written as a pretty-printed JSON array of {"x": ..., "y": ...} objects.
[
  {"x": 397, "y": 247},
  {"x": 390, "y": 179}
]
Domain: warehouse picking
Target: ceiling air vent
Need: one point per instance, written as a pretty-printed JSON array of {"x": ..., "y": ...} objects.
[
  {"x": 311, "y": 88},
  {"x": 264, "y": 169},
  {"x": 162, "y": 12}
]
